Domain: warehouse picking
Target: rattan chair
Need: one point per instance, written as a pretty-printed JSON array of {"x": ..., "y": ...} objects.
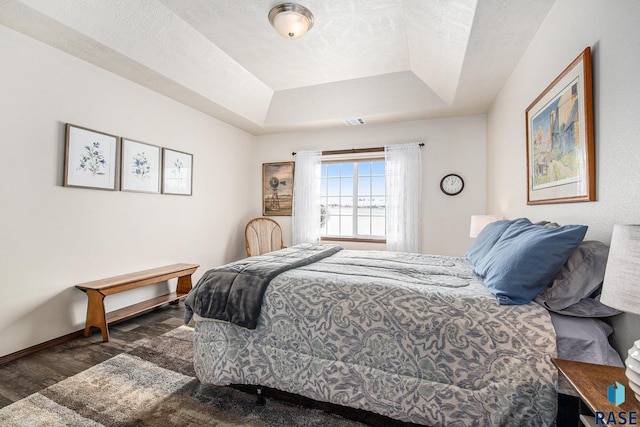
[{"x": 262, "y": 235}]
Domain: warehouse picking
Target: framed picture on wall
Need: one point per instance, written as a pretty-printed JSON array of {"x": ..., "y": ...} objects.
[
  {"x": 560, "y": 145},
  {"x": 91, "y": 159},
  {"x": 177, "y": 172},
  {"x": 277, "y": 188},
  {"x": 140, "y": 167}
]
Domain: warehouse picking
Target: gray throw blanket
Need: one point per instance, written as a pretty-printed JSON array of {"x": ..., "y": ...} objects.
[{"x": 234, "y": 291}]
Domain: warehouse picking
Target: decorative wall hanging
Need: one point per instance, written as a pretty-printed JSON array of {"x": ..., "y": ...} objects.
[
  {"x": 91, "y": 159},
  {"x": 177, "y": 172},
  {"x": 560, "y": 141},
  {"x": 277, "y": 188},
  {"x": 140, "y": 167}
]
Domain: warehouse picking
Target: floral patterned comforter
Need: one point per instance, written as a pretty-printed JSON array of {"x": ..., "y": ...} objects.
[{"x": 414, "y": 337}]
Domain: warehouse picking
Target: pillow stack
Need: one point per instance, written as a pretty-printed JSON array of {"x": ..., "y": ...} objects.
[
  {"x": 518, "y": 259},
  {"x": 575, "y": 290}
]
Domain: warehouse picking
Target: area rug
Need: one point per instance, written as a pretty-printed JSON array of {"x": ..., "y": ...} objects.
[{"x": 155, "y": 385}]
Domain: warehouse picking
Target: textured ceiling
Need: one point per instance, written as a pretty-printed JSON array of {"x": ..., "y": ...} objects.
[{"x": 380, "y": 60}]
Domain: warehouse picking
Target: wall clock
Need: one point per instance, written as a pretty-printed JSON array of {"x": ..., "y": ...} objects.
[{"x": 452, "y": 184}]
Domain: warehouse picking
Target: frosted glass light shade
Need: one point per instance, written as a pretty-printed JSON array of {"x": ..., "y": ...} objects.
[
  {"x": 479, "y": 222},
  {"x": 291, "y": 20}
]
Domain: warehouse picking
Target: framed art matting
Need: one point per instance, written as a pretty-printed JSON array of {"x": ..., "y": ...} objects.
[
  {"x": 277, "y": 188},
  {"x": 140, "y": 167},
  {"x": 560, "y": 145},
  {"x": 177, "y": 172},
  {"x": 91, "y": 159}
]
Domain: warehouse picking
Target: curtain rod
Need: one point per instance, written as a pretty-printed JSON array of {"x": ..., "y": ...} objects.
[{"x": 354, "y": 150}]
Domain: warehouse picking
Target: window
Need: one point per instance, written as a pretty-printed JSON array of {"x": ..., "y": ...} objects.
[{"x": 353, "y": 200}]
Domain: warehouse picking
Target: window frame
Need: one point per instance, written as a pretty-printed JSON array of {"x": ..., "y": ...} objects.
[{"x": 360, "y": 158}]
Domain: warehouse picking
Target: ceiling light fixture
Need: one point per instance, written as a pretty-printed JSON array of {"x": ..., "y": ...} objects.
[{"x": 291, "y": 20}]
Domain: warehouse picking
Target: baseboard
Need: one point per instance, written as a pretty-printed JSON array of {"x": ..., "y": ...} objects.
[{"x": 51, "y": 343}]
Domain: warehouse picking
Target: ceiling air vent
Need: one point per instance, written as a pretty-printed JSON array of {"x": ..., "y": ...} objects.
[{"x": 354, "y": 122}]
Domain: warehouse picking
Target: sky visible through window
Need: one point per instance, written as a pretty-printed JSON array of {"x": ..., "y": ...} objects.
[{"x": 353, "y": 199}]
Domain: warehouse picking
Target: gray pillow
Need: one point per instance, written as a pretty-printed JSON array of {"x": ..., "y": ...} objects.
[
  {"x": 579, "y": 278},
  {"x": 584, "y": 340},
  {"x": 588, "y": 307}
]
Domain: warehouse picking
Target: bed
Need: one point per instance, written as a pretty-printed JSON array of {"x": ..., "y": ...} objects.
[{"x": 418, "y": 338}]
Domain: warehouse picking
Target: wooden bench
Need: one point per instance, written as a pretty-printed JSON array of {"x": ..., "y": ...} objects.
[{"x": 97, "y": 290}]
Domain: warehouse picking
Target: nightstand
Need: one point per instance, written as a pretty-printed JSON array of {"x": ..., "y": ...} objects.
[{"x": 591, "y": 382}]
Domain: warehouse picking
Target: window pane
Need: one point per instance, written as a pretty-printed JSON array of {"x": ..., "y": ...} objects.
[
  {"x": 347, "y": 169},
  {"x": 333, "y": 225},
  {"x": 323, "y": 169},
  {"x": 377, "y": 226},
  {"x": 346, "y": 206},
  {"x": 346, "y": 226},
  {"x": 364, "y": 202},
  {"x": 343, "y": 203},
  {"x": 364, "y": 211},
  {"x": 346, "y": 187},
  {"x": 378, "y": 186},
  {"x": 364, "y": 168},
  {"x": 364, "y": 186},
  {"x": 333, "y": 187},
  {"x": 364, "y": 225},
  {"x": 378, "y": 205},
  {"x": 333, "y": 169},
  {"x": 332, "y": 203},
  {"x": 378, "y": 168}
]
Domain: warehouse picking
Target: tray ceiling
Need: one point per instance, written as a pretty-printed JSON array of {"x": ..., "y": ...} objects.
[{"x": 380, "y": 60}]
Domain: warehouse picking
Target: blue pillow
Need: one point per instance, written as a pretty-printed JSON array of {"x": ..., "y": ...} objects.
[
  {"x": 526, "y": 258},
  {"x": 487, "y": 238}
]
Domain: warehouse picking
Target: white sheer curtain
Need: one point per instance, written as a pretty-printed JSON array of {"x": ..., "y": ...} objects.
[
  {"x": 404, "y": 176},
  {"x": 306, "y": 197}
]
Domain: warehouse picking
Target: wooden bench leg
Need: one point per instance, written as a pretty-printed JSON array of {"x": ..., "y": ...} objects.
[
  {"x": 96, "y": 315},
  {"x": 184, "y": 285}
]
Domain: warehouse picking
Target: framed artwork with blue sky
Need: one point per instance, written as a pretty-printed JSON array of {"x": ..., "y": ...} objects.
[{"x": 560, "y": 138}]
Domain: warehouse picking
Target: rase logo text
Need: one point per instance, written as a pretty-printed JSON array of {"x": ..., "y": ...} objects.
[{"x": 616, "y": 395}]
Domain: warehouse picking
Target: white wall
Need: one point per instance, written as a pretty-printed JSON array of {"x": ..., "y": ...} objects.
[
  {"x": 54, "y": 237},
  {"x": 612, "y": 31},
  {"x": 454, "y": 145}
]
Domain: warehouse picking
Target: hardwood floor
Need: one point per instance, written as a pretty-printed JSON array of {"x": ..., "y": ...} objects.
[{"x": 27, "y": 375}]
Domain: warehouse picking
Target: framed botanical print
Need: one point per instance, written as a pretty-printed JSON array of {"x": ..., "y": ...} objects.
[
  {"x": 140, "y": 167},
  {"x": 560, "y": 138},
  {"x": 277, "y": 188},
  {"x": 91, "y": 158},
  {"x": 177, "y": 172}
]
